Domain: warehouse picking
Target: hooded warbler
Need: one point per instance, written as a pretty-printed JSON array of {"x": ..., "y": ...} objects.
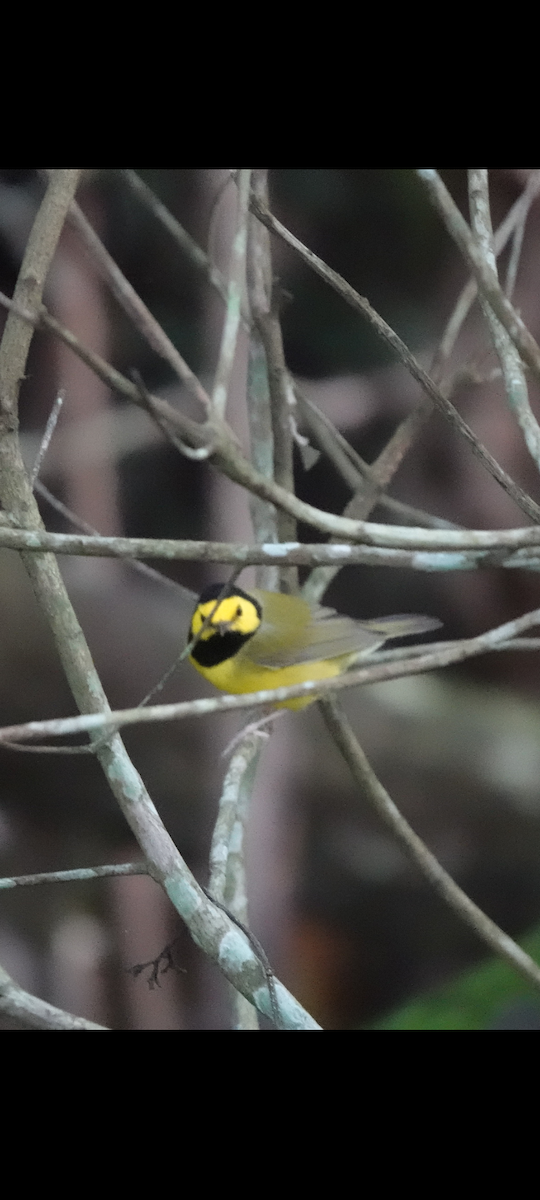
[{"x": 254, "y": 640}]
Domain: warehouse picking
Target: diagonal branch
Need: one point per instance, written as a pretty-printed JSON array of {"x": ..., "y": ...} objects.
[
  {"x": 134, "y": 307},
  {"x": 198, "y": 257},
  {"x": 440, "y": 880},
  {"x": 34, "y": 1013}
]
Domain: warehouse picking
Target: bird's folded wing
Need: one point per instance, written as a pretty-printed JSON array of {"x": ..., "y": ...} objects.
[{"x": 331, "y": 637}]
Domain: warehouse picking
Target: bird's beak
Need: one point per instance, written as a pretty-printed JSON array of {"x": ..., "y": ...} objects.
[{"x": 222, "y": 627}]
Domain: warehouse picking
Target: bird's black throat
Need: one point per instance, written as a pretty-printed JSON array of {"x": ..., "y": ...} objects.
[{"x": 218, "y": 648}]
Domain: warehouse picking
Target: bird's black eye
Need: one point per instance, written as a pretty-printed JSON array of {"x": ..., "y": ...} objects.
[{"x": 239, "y": 611}]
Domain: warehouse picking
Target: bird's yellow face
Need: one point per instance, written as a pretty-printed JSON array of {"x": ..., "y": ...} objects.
[
  {"x": 233, "y": 614},
  {"x": 222, "y": 627}
]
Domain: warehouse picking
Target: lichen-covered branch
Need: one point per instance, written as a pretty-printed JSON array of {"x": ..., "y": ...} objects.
[
  {"x": 33, "y": 1013},
  {"x": 209, "y": 926},
  {"x": 227, "y": 867}
]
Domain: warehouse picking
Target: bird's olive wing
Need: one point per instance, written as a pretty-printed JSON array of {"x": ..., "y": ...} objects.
[{"x": 299, "y": 636}]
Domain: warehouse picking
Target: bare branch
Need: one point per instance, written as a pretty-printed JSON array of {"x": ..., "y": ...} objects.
[
  {"x": 28, "y": 293},
  {"x": 401, "y": 546},
  {"x": 34, "y": 1013},
  {"x": 187, "y": 244},
  {"x": 47, "y": 436},
  {"x": 135, "y": 308},
  {"x": 235, "y": 291},
  {"x": 115, "y": 380},
  {"x": 263, "y": 514},
  {"x": 142, "y": 568},
  {"x": 358, "y": 474},
  {"x": 77, "y": 875},
  {"x": 512, "y": 369},
  {"x": 227, "y": 872}
]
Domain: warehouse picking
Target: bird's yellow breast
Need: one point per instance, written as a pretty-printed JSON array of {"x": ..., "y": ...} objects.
[{"x": 237, "y": 675}]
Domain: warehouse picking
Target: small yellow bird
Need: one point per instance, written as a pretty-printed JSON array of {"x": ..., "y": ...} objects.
[{"x": 247, "y": 641}]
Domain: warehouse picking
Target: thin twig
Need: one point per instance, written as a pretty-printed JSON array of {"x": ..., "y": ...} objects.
[
  {"x": 42, "y": 319},
  {"x": 135, "y": 308},
  {"x": 77, "y": 875},
  {"x": 184, "y": 240},
  {"x": 264, "y": 517},
  {"x": 263, "y": 514},
  {"x": 235, "y": 291},
  {"x": 198, "y": 454},
  {"x": 46, "y": 439},
  {"x": 282, "y": 405},
  {"x": 24, "y": 749},
  {"x": 141, "y": 567},
  {"x": 355, "y": 471},
  {"x": 529, "y": 194},
  {"x": 416, "y": 849},
  {"x": 513, "y": 261}
]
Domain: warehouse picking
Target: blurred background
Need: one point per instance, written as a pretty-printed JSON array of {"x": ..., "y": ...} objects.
[{"x": 348, "y": 924}]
